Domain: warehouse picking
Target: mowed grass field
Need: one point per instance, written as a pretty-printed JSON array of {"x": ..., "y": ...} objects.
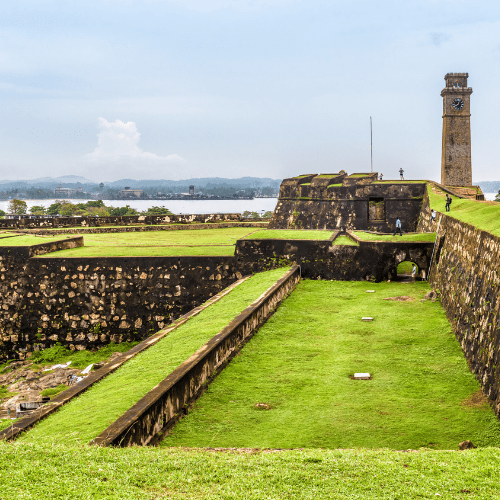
[
  {"x": 86, "y": 472},
  {"x": 291, "y": 385},
  {"x": 85, "y": 417},
  {"x": 159, "y": 243}
]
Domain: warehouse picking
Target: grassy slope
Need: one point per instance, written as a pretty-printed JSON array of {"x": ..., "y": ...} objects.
[
  {"x": 290, "y": 234},
  {"x": 388, "y": 237},
  {"x": 418, "y": 396},
  {"x": 62, "y": 472},
  {"x": 27, "y": 240},
  {"x": 159, "y": 251},
  {"x": 484, "y": 215},
  {"x": 88, "y": 415},
  {"x": 345, "y": 240},
  {"x": 185, "y": 242}
]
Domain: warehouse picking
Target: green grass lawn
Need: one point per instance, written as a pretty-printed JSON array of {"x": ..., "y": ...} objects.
[
  {"x": 345, "y": 240},
  {"x": 87, "y": 416},
  {"x": 389, "y": 237},
  {"x": 79, "y": 359},
  {"x": 291, "y": 385},
  {"x": 484, "y": 215},
  {"x": 159, "y": 243},
  {"x": 290, "y": 234},
  {"x": 27, "y": 240},
  {"x": 87, "y": 472},
  {"x": 139, "y": 224}
]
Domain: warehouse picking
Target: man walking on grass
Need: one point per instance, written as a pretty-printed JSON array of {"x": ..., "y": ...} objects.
[
  {"x": 398, "y": 227},
  {"x": 448, "y": 202}
]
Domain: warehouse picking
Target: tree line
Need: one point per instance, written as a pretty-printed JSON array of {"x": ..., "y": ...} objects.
[{"x": 91, "y": 208}]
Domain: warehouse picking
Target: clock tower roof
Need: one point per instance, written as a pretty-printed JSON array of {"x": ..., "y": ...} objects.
[{"x": 456, "y": 82}]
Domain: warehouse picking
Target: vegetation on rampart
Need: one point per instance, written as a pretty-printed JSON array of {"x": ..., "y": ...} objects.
[
  {"x": 362, "y": 235},
  {"x": 87, "y": 416},
  {"x": 290, "y": 234},
  {"x": 345, "y": 240},
  {"x": 422, "y": 393},
  {"x": 20, "y": 240},
  {"x": 484, "y": 215}
]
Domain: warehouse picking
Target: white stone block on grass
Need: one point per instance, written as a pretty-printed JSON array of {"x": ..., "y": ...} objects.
[
  {"x": 367, "y": 318},
  {"x": 362, "y": 376}
]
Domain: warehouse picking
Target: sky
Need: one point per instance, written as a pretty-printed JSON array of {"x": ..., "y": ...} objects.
[{"x": 173, "y": 89}]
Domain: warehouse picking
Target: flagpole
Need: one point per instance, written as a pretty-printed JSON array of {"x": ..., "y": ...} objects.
[{"x": 371, "y": 143}]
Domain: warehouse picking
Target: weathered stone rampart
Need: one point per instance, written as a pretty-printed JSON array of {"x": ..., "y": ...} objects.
[
  {"x": 85, "y": 303},
  {"x": 338, "y": 201},
  {"x": 368, "y": 260},
  {"x": 466, "y": 272}
]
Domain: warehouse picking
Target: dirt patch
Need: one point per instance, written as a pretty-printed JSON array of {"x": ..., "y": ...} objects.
[
  {"x": 476, "y": 400},
  {"x": 263, "y": 406},
  {"x": 401, "y": 298}
]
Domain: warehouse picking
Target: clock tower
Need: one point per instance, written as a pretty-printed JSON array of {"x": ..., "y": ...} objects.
[{"x": 456, "y": 168}]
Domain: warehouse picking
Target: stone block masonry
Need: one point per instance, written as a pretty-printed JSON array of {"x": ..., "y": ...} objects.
[
  {"x": 466, "y": 273},
  {"x": 368, "y": 260},
  {"x": 86, "y": 303},
  {"x": 336, "y": 201}
]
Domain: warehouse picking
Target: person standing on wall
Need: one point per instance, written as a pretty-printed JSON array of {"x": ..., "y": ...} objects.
[
  {"x": 414, "y": 272},
  {"x": 401, "y": 171},
  {"x": 380, "y": 177},
  {"x": 448, "y": 202},
  {"x": 398, "y": 227},
  {"x": 433, "y": 216}
]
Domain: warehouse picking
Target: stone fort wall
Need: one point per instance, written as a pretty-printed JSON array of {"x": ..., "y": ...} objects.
[
  {"x": 338, "y": 201},
  {"x": 466, "y": 273},
  {"x": 85, "y": 303}
]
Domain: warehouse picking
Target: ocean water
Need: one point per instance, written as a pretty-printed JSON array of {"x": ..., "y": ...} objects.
[
  {"x": 190, "y": 206},
  {"x": 258, "y": 205}
]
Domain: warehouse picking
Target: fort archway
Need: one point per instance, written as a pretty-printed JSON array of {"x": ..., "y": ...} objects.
[{"x": 413, "y": 255}]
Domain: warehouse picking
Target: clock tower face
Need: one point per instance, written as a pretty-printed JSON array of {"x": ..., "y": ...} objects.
[
  {"x": 456, "y": 168},
  {"x": 457, "y": 104}
]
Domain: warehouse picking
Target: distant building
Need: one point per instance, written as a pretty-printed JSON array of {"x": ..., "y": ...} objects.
[
  {"x": 61, "y": 192},
  {"x": 191, "y": 190},
  {"x": 130, "y": 193}
]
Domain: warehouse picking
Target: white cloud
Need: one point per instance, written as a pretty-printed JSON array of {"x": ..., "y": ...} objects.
[{"x": 119, "y": 141}]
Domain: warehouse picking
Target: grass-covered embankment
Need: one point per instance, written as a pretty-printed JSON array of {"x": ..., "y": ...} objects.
[
  {"x": 83, "y": 472},
  {"x": 27, "y": 240},
  {"x": 290, "y": 234},
  {"x": 87, "y": 416},
  {"x": 217, "y": 241},
  {"x": 413, "y": 237},
  {"x": 345, "y": 240},
  {"x": 484, "y": 215},
  {"x": 291, "y": 385}
]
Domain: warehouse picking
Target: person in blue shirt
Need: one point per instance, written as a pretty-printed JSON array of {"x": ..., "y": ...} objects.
[{"x": 398, "y": 227}]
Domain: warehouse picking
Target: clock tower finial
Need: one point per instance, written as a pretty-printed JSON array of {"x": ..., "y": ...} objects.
[{"x": 456, "y": 167}]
